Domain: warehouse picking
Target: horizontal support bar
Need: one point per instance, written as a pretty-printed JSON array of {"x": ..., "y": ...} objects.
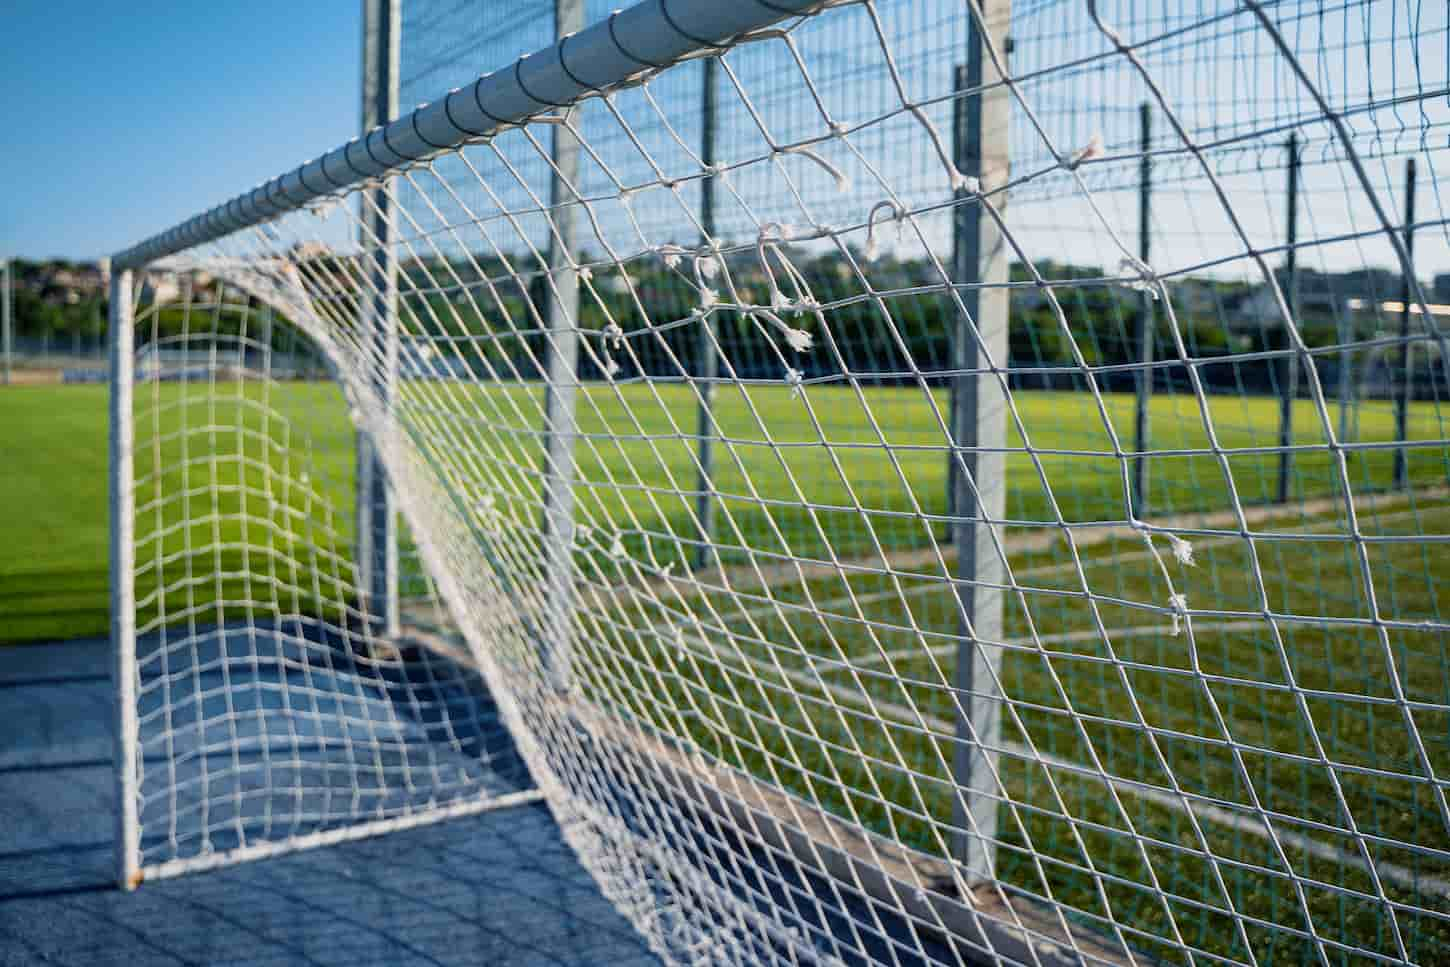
[
  {"x": 331, "y": 837},
  {"x": 648, "y": 36}
]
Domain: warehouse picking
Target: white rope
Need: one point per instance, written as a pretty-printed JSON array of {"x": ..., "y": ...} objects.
[{"x": 1180, "y": 725}]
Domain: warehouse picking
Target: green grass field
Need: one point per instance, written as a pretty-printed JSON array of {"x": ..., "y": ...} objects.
[
  {"x": 637, "y": 473},
  {"x": 53, "y": 470},
  {"x": 837, "y": 687},
  {"x": 1221, "y": 709}
]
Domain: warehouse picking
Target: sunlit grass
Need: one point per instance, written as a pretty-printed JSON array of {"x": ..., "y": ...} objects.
[{"x": 1290, "y": 715}]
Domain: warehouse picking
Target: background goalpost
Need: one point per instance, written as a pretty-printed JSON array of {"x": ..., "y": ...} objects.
[{"x": 904, "y": 481}]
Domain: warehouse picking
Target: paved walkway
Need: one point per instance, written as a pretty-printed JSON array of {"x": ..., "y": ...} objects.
[{"x": 500, "y": 888}]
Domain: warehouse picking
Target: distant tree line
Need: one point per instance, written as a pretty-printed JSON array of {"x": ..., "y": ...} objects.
[
  {"x": 485, "y": 317},
  {"x": 57, "y": 300}
]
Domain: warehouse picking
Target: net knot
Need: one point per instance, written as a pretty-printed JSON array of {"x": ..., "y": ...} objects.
[
  {"x": 1182, "y": 550},
  {"x": 1093, "y": 149},
  {"x": 1140, "y": 276},
  {"x": 965, "y": 183},
  {"x": 793, "y": 379},
  {"x": 1179, "y": 604},
  {"x": 707, "y": 266}
]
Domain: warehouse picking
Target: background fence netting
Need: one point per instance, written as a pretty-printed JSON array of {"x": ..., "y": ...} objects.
[{"x": 919, "y": 482}]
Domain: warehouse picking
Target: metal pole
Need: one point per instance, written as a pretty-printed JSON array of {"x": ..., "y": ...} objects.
[
  {"x": 377, "y": 530},
  {"x": 1289, "y": 370},
  {"x": 123, "y": 589},
  {"x": 1345, "y": 332},
  {"x": 265, "y": 339},
  {"x": 979, "y": 423},
  {"x": 960, "y": 85},
  {"x": 1402, "y": 402},
  {"x": 6, "y": 322},
  {"x": 658, "y": 35},
  {"x": 1143, "y": 383},
  {"x": 104, "y": 264},
  {"x": 709, "y": 361},
  {"x": 561, "y": 312}
]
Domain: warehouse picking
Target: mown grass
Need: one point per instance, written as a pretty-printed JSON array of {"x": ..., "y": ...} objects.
[
  {"x": 1289, "y": 714},
  {"x": 637, "y": 474},
  {"x": 54, "y": 569}
]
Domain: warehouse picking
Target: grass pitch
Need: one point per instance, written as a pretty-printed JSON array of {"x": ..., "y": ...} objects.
[
  {"x": 1244, "y": 737},
  {"x": 880, "y": 480}
]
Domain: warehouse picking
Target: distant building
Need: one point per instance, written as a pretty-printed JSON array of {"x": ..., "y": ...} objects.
[
  {"x": 1195, "y": 297},
  {"x": 157, "y": 288},
  {"x": 1321, "y": 297},
  {"x": 61, "y": 283},
  {"x": 1261, "y": 307},
  {"x": 1442, "y": 287}
]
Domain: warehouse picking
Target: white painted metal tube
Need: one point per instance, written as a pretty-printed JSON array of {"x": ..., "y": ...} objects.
[
  {"x": 123, "y": 590},
  {"x": 651, "y": 35}
]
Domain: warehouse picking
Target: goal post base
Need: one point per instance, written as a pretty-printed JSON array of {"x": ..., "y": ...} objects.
[{"x": 211, "y": 861}]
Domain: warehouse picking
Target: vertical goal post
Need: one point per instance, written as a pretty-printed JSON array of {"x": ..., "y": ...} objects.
[
  {"x": 771, "y": 393},
  {"x": 493, "y": 102},
  {"x": 561, "y": 322},
  {"x": 122, "y": 515},
  {"x": 377, "y": 530}
]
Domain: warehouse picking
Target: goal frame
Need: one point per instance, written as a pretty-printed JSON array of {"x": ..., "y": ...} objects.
[
  {"x": 945, "y": 890},
  {"x": 583, "y": 61},
  {"x": 578, "y": 65}
]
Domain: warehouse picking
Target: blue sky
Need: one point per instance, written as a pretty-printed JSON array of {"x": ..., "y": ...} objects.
[{"x": 121, "y": 119}]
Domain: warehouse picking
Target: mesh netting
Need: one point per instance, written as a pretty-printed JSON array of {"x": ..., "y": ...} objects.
[{"x": 942, "y": 516}]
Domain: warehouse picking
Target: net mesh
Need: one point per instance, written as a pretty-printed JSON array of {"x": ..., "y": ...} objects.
[
  {"x": 271, "y": 710},
  {"x": 887, "y": 536}
]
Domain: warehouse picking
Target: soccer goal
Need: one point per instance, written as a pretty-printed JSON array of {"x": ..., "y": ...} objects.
[{"x": 905, "y": 482}]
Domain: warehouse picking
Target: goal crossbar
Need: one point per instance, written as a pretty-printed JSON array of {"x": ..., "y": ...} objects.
[{"x": 648, "y": 37}]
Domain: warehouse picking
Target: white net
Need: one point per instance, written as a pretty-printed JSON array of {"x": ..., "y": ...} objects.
[
  {"x": 866, "y": 569},
  {"x": 271, "y": 710}
]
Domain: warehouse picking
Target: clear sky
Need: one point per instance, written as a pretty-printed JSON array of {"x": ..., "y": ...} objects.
[{"x": 120, "y": 119}]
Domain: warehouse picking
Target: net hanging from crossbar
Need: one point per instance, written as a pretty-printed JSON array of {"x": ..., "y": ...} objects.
[{"x": 875, "y": 552}]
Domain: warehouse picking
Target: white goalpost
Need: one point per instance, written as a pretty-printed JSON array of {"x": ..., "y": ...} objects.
[{"x": 877, "y": 469}]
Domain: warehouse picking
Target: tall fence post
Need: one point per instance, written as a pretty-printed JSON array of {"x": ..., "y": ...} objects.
[
  {"x": 1143, "y": 383},
  {"x": 1407, "y": 363},
  {"x": 709, "y": 362},
  {"x": 123, "y": 587},
  {"x": 264, "y": 338},
  {"x": 960, "y": 85},
  {"x": 979, "y": 424},
  {"x": 104, "y": 265},
  {"x": 1346, "y": 332},
  {"x": 1289, "y": 369},
  {"x": 7, "y": 322},
  {"x": 561, "y": 312},
  {"x": 377, "y": 532}
]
